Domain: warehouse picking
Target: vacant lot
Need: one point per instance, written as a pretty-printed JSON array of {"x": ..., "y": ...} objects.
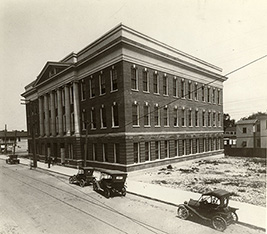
[{"x": 244, "y": 177}]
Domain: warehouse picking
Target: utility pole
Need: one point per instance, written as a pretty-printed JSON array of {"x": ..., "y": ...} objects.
[
  {"x": 15, "y": 142},
  {"x": 5, "y": 139}
]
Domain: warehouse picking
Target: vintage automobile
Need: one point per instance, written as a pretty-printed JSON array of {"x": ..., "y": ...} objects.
[
  {"x": 12, "y": 159},
  {"x": 212, "y": 207},
  {"x": 83, "y": 177},
  {"x": 110, "y": 182}
]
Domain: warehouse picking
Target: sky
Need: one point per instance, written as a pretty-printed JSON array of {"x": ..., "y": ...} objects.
[{"x": 225, "y": 33}]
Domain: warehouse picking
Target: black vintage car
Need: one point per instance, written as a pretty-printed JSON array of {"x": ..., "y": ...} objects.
[
  {"x": 110, "y": 182},
  {"x": 212, "y": 207},
  {"x": 12, "y": 159},
  {"x": 83, "y": 177}
]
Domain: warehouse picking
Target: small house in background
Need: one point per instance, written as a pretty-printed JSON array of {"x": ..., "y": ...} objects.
[
  {"x": 8, "y": 138},
  {"x": 246, "y": 133}
]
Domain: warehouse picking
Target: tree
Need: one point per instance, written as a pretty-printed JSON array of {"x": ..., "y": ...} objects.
[
  {"x": 228, "y": 122},
  {"x": 254, "y": 115}
]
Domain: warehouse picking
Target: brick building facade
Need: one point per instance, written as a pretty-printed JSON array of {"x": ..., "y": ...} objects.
[{"x": 126, "y": 101}]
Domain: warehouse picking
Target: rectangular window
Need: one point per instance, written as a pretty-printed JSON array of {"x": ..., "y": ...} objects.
[
  {"x": 166, "y": 149},
  {"x": 203, "y": 119},
  {"x": 92, "y": 86},
  {"x": 219, "y": 120},
  {"x": 203, "y": 93},
  {"x": 244, "y": 130},
  {"x": 102, "y": 84},
  {"x": 83, "y": 119},
  {"x": 135, "y": 114},
  {"x": 204, "y": 145},
  {"x": 116, "y": 153},
  {"x": 63, "y": 97},
  {"x": 145, "y": 81},
  {"x": 190, "y": 146},
  {"x": 196, "y": 118},
  {"x": 115, "y": 115},
  {"x": 157, "y": 116},
  {"x": 176, "y": 148},
  {"x": 219, "y": 97},
  {"x": 190, "y": 118},
  {"x": 83, "y": 92},
  {"x": 72, "y": 122},
  {"x": 214, "y": 119},
  {"x": 70, "y": 151},
  {"x": 134, "y": 78},
  {"x": 196, "y": 91},
  {"x": 71, "y": 94},
  {"x": 157, "y": 149},
  {"x": 103, "y": 117},
  {"x": 147, "y": 151},
  {"x": 93, "y": 118},
  {"x": 183, "y": 88},
  {"x": 136, "y": 153},
  {"x": 64, "y": 123},
  {"x": 197, "y": 146},
  {"x": 165, "y": 85},
  {"x": 183, "y": 118},
  {"x": 184, "y": 147},
  {"x": 146, "y": 115},
  {"x": 166, "y": 116},
  {"x": 189, "y": 89},
  {"x": 175, "y": 87},
  {"x": 104, "y": 152},
  {"x": 156, "y": 83},
  {"x": 114, "y": 79},
  {"x": 209, "y": 119},
  {"x": 208, "y": 94},
  {"x": 175, "y": 117},
  {"x": 213, "y": 96}
]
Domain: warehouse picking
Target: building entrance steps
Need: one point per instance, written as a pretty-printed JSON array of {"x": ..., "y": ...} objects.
[{"x": 250, "y": 215}]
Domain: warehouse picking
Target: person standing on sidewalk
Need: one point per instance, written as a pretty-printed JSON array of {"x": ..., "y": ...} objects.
[{"x": 49, "y": 161}]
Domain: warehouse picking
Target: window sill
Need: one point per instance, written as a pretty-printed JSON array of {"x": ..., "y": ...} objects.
[
  {"x": 135, "y": 90},
  {"x": 136, "y": 126},
  {"x": 115, "y": 126},
  {"x": 146, "y": 92},
  {"x": 114, "y": 91}
]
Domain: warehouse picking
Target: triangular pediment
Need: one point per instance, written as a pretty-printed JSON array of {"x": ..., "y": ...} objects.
[{"x": 49, "y": 70}]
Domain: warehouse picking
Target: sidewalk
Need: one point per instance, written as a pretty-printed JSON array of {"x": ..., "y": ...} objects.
[{"x": 250, "y": 215}]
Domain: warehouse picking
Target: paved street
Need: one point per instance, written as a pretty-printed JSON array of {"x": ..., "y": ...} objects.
[{"x": 34, "y": 201}]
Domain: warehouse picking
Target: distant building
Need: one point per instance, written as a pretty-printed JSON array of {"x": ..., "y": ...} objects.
[
  {"x": 229, "y": 136},
  {"x": 8, "y": 138},
  {"x": 126, "y": 101},
  {"x": 252, "y": 133}
]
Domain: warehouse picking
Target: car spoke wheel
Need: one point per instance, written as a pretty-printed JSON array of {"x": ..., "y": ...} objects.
[
  {"x": 219, "y": 223},
  {"x": 71, "y": 180},
  {"x": 123, "y": 191},
  {"x": 234, "y": 217},
  {"x": 107, "y": 193},
  {"x": 182, "y": 212},
  {"x": 82, "y": 183}
]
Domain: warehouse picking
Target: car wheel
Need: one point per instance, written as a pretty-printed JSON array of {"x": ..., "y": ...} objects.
[
  {"x": 219, "y": 223},
  {"x": 107, "y": 193},
  {"x": 82, "y": 183},
  {"x": 234, "y": 217},
  {"x": 123, "y": 191},
  {"x": 182, "y": 212},
  {"x": 71, "y": 180}
]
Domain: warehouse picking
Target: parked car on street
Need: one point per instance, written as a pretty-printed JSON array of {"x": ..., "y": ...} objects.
[
  {"x": 212, "y": 207},
  {"x": 12, "y": 159},
  {"x": 111, "y": 182},
  {"x": 83, "y": 177}
]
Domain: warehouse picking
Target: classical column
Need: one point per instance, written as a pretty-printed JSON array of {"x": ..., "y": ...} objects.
[
  {"x": 41, "y": 115},
  {"x": 76, "y": 106},
  {"x": 46, "y": 109},
  {"x": 67, "y": 108},
  {"x": 53, "y": 114},
  {"x": 60, "y": 112}
]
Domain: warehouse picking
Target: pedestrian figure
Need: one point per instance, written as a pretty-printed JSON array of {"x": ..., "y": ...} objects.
[{"x": 49, "y": 162}]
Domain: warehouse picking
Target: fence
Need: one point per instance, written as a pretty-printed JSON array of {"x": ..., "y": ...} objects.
[{"x": 245, "y": 152}]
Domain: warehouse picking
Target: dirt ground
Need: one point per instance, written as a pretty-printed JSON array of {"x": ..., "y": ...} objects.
[{"x": 244, "y": 177}]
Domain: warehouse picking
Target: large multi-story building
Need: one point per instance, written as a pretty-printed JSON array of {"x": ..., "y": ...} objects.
[{"x": 126, "y": 101}]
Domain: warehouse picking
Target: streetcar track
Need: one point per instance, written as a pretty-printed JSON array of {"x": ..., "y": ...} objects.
[{"x": 142, "y": 224}]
